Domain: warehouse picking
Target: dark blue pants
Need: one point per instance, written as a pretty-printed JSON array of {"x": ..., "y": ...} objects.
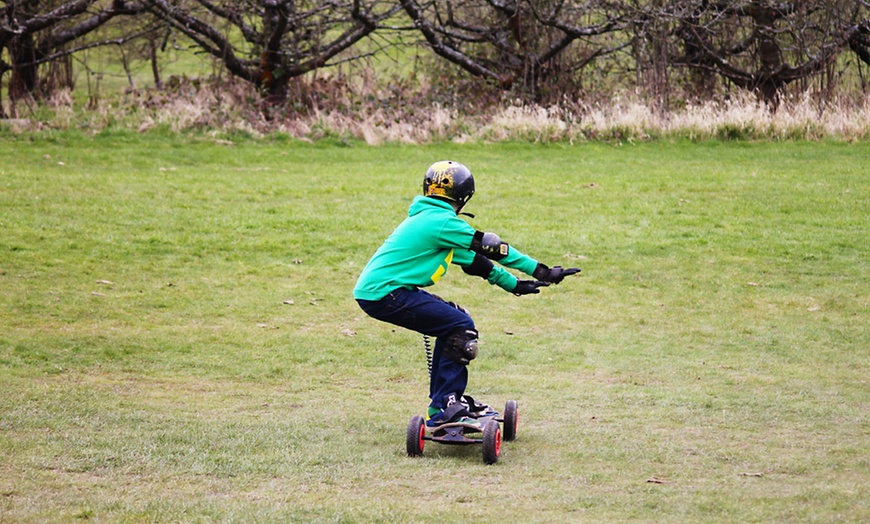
[{"x": 426, "y": 313}]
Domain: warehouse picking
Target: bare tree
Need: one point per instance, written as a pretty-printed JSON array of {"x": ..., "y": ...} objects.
[
  {"x": 36, "y": 32},
  {"x": 517, "y": 43},
  {"x": 859, "y": 36},
  {"x": 269, "y": 42},
  {"x": 651, "y": 25},
  {"x": 765, "y": 45},
  {"x": 535, "y": 49}
]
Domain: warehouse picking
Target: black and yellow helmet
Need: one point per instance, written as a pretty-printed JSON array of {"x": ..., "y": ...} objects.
[{"x": 450, "y": 181}]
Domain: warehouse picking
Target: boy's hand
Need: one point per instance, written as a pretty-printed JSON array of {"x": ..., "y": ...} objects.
[
  {"x": 528, "y": 287},
  {"x": 554, "y": 275}
]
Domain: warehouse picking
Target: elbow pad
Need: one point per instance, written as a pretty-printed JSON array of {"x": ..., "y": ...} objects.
[
  {"x": 489, "y": 245},
  {"x": 480, "y": 267}
]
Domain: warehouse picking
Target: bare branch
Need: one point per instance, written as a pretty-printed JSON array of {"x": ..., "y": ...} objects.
[
  {"x": 442, "y": 48},
  {"x": 205, "y": 36},
  {"x": 234, "y": 16},
  {"x": 91, "y": 45},
  {"x": 60, "y": 38},
  {"x": 62, "y": 13}
]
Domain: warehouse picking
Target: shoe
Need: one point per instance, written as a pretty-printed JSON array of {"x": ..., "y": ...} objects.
[{"x": 454, "y": 412}]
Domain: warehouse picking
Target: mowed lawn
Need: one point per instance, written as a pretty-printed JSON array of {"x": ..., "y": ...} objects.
[{"x": 178, "y": 340}]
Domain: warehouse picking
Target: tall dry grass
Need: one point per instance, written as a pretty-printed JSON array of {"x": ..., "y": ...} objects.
[{"x": 236, "y": 109}]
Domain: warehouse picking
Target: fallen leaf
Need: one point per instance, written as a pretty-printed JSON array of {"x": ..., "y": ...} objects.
[
  {"x": 348, "y": 332},
  {"x": 106, "y": 282},
  {"x": 751, "y": 474},
  {"x": 508, "y": 332},
  {"x": 656, "y": 480},
  {"x": 753, "y": 284},
  {"x": 289, "y": 302},
  {"x": 814, "y": 308}
]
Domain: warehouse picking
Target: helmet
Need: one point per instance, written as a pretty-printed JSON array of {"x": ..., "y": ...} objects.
[{"x": 450, "y": 181}]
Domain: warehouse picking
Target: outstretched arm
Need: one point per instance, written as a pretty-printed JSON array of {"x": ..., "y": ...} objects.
[
  {"x": 483, "y": 267},
  {"x": 493, "y": 247}
]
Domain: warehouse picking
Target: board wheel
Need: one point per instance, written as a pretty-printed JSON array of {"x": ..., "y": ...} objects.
[
  {"x": 510, "y": 420},
  {"x": 414, "y": 441},
  {"x": 491, "y": 441}
]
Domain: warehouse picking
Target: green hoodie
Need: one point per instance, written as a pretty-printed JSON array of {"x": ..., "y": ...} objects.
[{"x": 420, "y": 250}]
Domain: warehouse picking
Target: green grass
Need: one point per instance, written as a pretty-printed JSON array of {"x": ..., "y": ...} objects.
[{"x": 151, "y": 370}]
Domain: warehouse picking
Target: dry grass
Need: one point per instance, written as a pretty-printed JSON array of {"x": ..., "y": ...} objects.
[
  {"x": 378, "y": 118},
  {"x": 709, "y": 366}
]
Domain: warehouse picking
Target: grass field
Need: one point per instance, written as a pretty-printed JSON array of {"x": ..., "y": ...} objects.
[{"x": 179, "y": 342}]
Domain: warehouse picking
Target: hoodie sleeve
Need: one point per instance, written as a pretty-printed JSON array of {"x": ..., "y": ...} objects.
[
  {"x": 457, "y": 234},
  {"x": 497, "y": 276},
  {"x": 517, "y": 260}
]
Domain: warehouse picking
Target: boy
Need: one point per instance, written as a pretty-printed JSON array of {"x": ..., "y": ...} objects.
[{"x": 416, "y": 255}]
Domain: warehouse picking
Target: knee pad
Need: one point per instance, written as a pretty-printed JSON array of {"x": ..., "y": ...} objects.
[{"x": 461, "y": 345}]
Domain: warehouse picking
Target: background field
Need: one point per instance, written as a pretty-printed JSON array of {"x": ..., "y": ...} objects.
[{"x": 179, "y": 341}]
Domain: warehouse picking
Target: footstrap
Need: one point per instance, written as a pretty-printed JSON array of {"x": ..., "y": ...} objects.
[
  {"x": 473, "y": 405},
  {"x": 455, "y": 412}
]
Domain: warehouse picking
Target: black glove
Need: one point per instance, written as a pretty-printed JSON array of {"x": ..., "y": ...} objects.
[
  {"x": 554, "y": 275},
  {"x": 528, "y": 287}
]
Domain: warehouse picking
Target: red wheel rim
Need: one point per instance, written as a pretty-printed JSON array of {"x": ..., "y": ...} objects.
[
  {"x": 422, "y": 441},
  {"x": 498, "y": 443}
]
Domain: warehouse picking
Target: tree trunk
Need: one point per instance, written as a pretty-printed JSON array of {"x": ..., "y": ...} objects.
[
  {"x": 155, "y": 68},
  {"x": 2, "y": 111},
  {"x": 769, "y": 55},
  {"x": 25, "y": 73}
]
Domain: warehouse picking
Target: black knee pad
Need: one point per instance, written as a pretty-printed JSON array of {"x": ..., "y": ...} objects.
[{"x": 461, "y": 345}]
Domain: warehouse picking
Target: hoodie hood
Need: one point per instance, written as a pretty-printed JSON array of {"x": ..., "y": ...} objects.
[{"x": 425, "y": 203}]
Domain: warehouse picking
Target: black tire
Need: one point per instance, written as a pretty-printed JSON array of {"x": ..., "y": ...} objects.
[
  {"x": 414, "y": 441},
  {"x": 510, "y": 420},
  {"x": 491, "y": 441}
]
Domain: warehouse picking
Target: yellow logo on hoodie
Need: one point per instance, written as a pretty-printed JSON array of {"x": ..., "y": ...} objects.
[{"x": 442, "y": 268}]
